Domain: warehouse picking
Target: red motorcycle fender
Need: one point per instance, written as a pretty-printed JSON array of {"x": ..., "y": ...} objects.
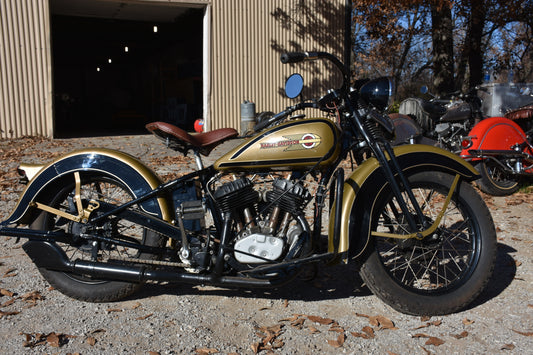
[
  {"x": 494, "y": 133},
  {"x": 45, "y": 181},
  {"x": 363, "y": 188}
]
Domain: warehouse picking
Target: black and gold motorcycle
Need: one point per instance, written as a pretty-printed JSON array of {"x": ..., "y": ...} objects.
[{"x": 100, "y": 223}]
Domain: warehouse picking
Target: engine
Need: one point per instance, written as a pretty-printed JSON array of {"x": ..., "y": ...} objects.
[{"x": 264, "y": 221}]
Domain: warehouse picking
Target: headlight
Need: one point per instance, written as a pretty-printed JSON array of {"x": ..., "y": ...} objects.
[{"x": 377, "y": 92}]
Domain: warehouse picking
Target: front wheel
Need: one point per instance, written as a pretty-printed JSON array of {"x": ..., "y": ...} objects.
[
  {"x": 494, "y": 180},
  {"x": 443, "y": 272}
]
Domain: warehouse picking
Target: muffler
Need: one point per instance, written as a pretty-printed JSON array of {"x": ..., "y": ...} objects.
[{"x": 48, "y": 255}]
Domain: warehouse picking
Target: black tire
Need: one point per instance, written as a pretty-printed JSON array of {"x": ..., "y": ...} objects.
[
  {"x": 442, "y": 273},
  {"x": 84, "y": 287},
  {"x": 494, "y": 181}
]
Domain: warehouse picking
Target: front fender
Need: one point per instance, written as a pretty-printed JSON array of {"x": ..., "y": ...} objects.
[
  {"x": 362, "y": 188},
  {"x": 132, "y": 172}
]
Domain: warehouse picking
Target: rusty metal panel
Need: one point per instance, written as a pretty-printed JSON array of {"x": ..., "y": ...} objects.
[
  {"x": 248, "y": 37},
  {"x": 25, "y": 69}
]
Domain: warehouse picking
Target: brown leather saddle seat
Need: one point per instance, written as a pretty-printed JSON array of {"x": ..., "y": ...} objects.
[{"x": 178, "y": 139}]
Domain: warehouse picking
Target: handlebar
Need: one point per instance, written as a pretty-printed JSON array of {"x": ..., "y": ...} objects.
[{"x": 296, "y": 57}]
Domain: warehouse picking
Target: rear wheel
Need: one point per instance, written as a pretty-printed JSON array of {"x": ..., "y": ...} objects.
[
  {"x": 494, "y": 180},
  {"x": 108, "y": 191},
  {"x": 443, "y": 272}
]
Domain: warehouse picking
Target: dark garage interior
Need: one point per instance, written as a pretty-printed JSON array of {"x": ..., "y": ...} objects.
[{"x": 112, "y": 76}]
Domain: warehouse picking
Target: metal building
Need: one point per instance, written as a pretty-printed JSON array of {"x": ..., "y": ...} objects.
[{"x": 81, "y": 67}]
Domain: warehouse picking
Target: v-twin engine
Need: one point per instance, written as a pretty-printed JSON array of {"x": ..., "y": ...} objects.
[{"x": 266, "y": 223}]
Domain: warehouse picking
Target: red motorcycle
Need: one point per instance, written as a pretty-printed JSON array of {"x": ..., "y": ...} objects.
[{"x": 499, "y": 147}]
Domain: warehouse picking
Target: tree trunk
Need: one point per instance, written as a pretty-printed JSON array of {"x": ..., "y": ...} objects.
[
  {"x": 442, "y": 37},
  {"x": 474, "y": 37}
]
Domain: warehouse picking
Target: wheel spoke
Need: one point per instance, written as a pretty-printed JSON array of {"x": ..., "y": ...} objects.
[{"x": 437, "y": 261}]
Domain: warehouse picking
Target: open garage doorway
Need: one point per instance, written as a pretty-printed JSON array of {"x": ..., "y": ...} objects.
[{"x": 119, "y": 65}]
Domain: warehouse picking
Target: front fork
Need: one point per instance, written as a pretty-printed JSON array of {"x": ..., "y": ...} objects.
[{"x": 398, "y": 181}]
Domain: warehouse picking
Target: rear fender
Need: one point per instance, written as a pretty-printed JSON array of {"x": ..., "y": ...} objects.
[
  {"x": 494, "y": 133},
  {"x": 362, "y": 190},
  {"x": 45, "y": 182}
]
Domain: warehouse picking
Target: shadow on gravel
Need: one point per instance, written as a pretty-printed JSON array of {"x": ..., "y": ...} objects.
[
  {"x": 504, "y": 274},
  {"x": 336, "y": 282}
]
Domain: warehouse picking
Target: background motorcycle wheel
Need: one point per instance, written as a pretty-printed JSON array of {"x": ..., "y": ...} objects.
[
  {"x": 494, "y": 181},
  {"x": 83, "y": 287},
  {"x": 444, "y": 272}
]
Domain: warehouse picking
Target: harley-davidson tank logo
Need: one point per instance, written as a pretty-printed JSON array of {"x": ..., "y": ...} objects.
[{"x": 295, "y": 142}]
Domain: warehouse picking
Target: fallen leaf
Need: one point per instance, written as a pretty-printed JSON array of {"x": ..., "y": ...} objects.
[
  {"x": 2, "y": 313},
  {"x": 426, "y": 350},
  {"x": 527, "y": 334},
  {"x": 421, "y": 335},
  {"x": 381, "y": 322},
  {"x": 10, "y": 272},
  {"x": 391, "y": 353},
  {"x": 111, "y": 310},
  {"x": 285, "y": 303},
  {"x": 460, "y": 336},
  {"x": 508, "y": 347},
  {"x": 467, "y": 321},
  {"x": 7, "y": 293},
  {"x": 336, "y": 328},
  {"x": 338, "y": 342},
  {"x": 144, "y": 317},
  {"x": 53, "y": 340},
  {"x": 313, "y": 330},
  {"x": 91, "y": 341},
  {"x": 277, "y": 343},
  {"x": 205, "y": 351},
  {"x": 320, "y": 320},
  {"x": 255, "y": 347},
  {"x": 434, "y": 341},
  {"x": 136, "y": 305},
  {"x": 428, "y": 324},
  {"x": 8, "y": 303},
  {"x": 298, "y": 323}
]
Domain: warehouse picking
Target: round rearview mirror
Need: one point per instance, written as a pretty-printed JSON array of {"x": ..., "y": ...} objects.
[
  {"x": 424, "y": 89},
  {"x": 294, "y": 86}
]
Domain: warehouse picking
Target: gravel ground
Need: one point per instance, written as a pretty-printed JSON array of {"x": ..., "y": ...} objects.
[{"x": 335, "y": 313}]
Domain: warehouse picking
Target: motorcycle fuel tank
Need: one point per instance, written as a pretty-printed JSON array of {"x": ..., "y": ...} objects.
[{"x": 296, "y": 144}]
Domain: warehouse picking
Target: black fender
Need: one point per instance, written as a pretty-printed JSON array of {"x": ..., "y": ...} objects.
[
  {"x": 129, "y": 170},
  {"x": 362, "y": 190}
]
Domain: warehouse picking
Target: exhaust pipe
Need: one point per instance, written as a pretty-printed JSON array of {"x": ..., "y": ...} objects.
[{"x": 48, "y": 255}]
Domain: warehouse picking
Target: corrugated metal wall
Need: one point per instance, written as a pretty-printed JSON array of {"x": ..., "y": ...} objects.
[
  {"x": 25, "y": 69},
  {"x": 248, "y": 37}
]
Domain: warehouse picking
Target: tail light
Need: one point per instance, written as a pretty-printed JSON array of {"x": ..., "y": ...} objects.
[{"x": 466, "y": 142}]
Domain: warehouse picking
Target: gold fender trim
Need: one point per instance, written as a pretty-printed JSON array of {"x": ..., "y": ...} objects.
[{"x": 363, "y": 187}]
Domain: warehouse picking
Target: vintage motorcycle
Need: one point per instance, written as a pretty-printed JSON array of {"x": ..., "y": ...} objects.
[
  {"x": 499, "y": 148},
  {"x": 101, "y": 223}
]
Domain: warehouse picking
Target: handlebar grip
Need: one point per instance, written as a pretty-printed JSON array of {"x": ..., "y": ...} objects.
[{"x": 296, "y": 57}]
